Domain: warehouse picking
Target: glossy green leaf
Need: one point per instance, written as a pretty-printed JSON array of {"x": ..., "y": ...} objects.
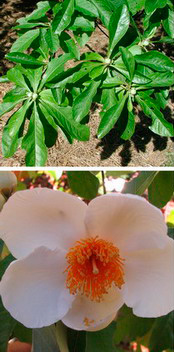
[
  {"x": 83, "y": 183},
  {"x": 110, "y": 117},
  {"x": 155, "y": 60},
  {"x": 52, "y": 40},
  {"x": 34, "y": 141},
  {"x": 6, "y": 107},
  {"x": 108, "y": 99},
  {"x": 129, "y": 61},
  {"x": 34, "y": 76},
  {"x": 151, "y": 6},
  {"x": 131, "y": 326},
  {"x": 73, "y": 48},
  {"x": 135, "y": 5},
  {"x": 16, "y": 76},
  {"x": 86, "y": 7},
  {"x": 11, "y": 131},
  {"x": 55, "y": 67},
  {"x": 63, "y": 18},
  {"x": 25, "y": 41},
  {"x": 97, "y": 71},
  {"x": 161, "y": 189},
  {"x": 118, "y": 26},
  {"x": 83, "y": 24},
  {"x": 63, "y": 117},
  {"x": 4, "y": 79},
  {"x": 113, "y": 81},
  {"x": 162, "y": 336},
  {"x": 93, "y": 57},
  {"x": 164, "y": 79},
  {"x": 44, "y": 339},
  {"x": 15, "y": 94},
  {"x": 159, "y": 124},
  {"x": 82, "y": 103},
  {"x": 140, "y": 183},
  {"x": 101, "y": 340},
  {"x": 105, "y": 10},
  {"x": 24, "y": 59},
  {"x": 130, "y": 127},
  {"x": 42, "y": 8},
  {"x": 168, "y": 23}
]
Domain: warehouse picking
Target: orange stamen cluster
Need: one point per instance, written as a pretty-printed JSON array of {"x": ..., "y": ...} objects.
[{"x": 93, "y": 266}]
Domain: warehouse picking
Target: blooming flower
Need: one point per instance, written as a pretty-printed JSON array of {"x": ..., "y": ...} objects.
[{"x": 79, "y": 263}]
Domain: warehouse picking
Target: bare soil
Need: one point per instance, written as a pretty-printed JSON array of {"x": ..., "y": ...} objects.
[{"x": 144, "y": 149}]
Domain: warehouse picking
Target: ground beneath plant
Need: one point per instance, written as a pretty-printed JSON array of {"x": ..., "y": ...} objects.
[{"x": 144, "y": 149}]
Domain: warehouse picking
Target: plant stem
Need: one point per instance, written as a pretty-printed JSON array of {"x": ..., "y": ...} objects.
[{"x": 103, "y": 182}]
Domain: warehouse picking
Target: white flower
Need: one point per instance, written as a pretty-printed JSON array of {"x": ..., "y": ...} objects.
[{"x": 79, "y": 263}]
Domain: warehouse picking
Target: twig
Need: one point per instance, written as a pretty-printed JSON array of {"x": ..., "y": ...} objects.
[
  {"x": 102, "y": 30},
  {"x": 103, "y": 182}
]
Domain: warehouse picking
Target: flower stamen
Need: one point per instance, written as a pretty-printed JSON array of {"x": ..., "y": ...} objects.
[{"x": 94, "y": 265}]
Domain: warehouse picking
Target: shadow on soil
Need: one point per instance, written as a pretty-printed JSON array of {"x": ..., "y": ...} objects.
[{"x": 142, "y": 136}]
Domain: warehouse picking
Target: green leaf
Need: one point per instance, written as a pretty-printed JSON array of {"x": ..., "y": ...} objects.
[
  {"x": 118, "y": 26},
  {"x": 44, "y": 340},
  {"x": 151, "y": 6},
  {"x": 130, "y": 127},
  {"x": 24, "y": 41},
  {"x": 129, "y": 61},
  {"x": 108, "y": 99},
  {"x": 22, "y": 333},
  {"x": 164, "y": 79},
  {"x": 155, "y": 60},
  {"x": 4, "y": 79},
  {"x": 83, "y": 183},
  {"x": 135, "y": 5},
  {"x": 105, "y": 10},
  {"x": 168, "y": 23},
  {"x": 34, "y": 76},
  {"x": 42, "y": 8},
  {"x": 52, "y": 40},
  {"x": 12, "y": 130},
  {"x": 73, "y": 49},
  {"x": 15, "y": 94},
  {"x": 159, "y": 124},
  {"x": 97, "y": 71},
  {"x": 63, "y": 117},
  {"x": 34, "y": 141},
  {"x": 86, "y": 8},
  {"x": 161, "y": 189},
  {"x": 16, "y": 76},
  {"x": 110, "y": 117},
  {"x": 162, "y": 100},
  {"x": 140, "y": 183},
  {"x": 83, "y": 24},
  {"x": 63, "y": 18},
  {"x": 6, "y": 107},
  {"x": 24, "y": 59},
  {"x": 101, "y": 340},
  {"x": 55, "y": 67},
  {"x": 93, "y": 57},
  {"x": 82, "y": 103},
  {"x": 162, "y": 336},
  {"x": 130, "y": 326},
  {"x": 113, "y": 81}
]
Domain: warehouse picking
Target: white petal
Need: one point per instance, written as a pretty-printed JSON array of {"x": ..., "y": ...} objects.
[
  {"x": 149, "y": 281},
  {"x": 33, "y": 288},
  {"x": 129, "y": 221},
  {"x": 41, "y": 217},
  {"x": 85, "y": 311},
  {"x": 103, "y": 324}
]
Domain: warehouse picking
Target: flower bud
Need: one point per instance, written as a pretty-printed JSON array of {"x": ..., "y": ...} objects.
[{"x": 8, "y": 182}]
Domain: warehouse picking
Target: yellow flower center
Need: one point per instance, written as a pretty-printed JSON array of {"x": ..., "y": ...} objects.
[{"x": 93, "y": 266}]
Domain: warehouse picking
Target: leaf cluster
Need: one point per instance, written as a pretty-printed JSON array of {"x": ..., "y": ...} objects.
[{"x": 55, "y": 84}]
